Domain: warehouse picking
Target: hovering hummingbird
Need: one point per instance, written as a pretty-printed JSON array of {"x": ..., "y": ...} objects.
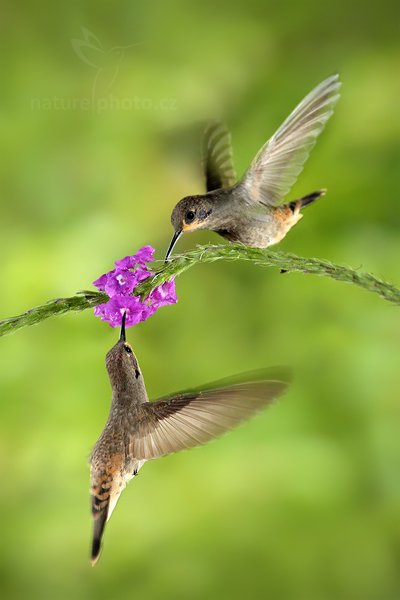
[
  {"x": 251, "y": 211},
  {"x": 138, "y": 430}
]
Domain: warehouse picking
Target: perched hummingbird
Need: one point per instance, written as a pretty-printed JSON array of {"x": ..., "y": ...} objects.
[
  {"x": 138, "y": 430},
  {"x": 251, "y": 211}
]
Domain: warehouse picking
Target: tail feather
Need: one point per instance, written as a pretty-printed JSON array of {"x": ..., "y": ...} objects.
[
  {"x": 98, "y": 531},
  {"x": 99, "y": 522},
  {"x": 306, "y": 200}
]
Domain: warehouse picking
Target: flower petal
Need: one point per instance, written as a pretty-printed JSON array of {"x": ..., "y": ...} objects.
[
  {"x": 112, "y": 311},
  {"x": 120, "y": 281},
  {"x": 100, "y": 283},
  {"x": 141, "y": 273},
  {"x": 125, "y": 263},
  {"x": 145, "y": 254},
  {"x": 164, "y": 294}
]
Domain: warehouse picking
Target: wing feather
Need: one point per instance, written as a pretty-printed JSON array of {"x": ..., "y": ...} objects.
[
  {"x": 279, "y": 162},
  {"x": 217, "y": 157},
  {"x": 192, "y": 418}
]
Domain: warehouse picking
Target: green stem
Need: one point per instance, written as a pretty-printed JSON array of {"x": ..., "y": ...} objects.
[{"x": 204, "y": 254}]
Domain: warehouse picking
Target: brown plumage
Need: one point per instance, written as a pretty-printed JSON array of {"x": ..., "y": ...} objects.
[
  {"x": 138, "y": 430},
  {"x": 250, "y": 211}
]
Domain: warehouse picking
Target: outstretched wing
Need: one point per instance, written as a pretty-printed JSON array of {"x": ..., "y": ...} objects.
[
  {"x": 217, "y": 157},
  {"x": 192, "y": 418},
  {"x": 277, "y": 165}
]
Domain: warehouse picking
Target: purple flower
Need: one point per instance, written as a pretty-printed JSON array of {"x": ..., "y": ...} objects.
[
  {"x": 141, "y": 273},
  {"x": 100, "y": 283},
  {"x": 112, "y": 311},
  {"x": 120, "y": 283},
  {"x": 164, "y": 294},
  {"x": 145, "y": 254}
]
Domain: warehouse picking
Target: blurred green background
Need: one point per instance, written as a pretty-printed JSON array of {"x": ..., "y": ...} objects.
[{"x": 301, "y": 503}]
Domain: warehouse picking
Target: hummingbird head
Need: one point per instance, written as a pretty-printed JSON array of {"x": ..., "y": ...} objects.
[
  {"x": 121, "y": 363},
  {"x": 191, "y": 213}
]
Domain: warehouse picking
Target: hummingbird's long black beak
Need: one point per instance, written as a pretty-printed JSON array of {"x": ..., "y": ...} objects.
[
  {"x": 122, "y": 337},
  {"x": 175, "y": 238}
]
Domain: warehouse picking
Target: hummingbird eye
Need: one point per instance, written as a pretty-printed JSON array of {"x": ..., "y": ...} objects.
[
  {"x": 189, "y": 216},
  {"x": 128, "y": 349}
]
